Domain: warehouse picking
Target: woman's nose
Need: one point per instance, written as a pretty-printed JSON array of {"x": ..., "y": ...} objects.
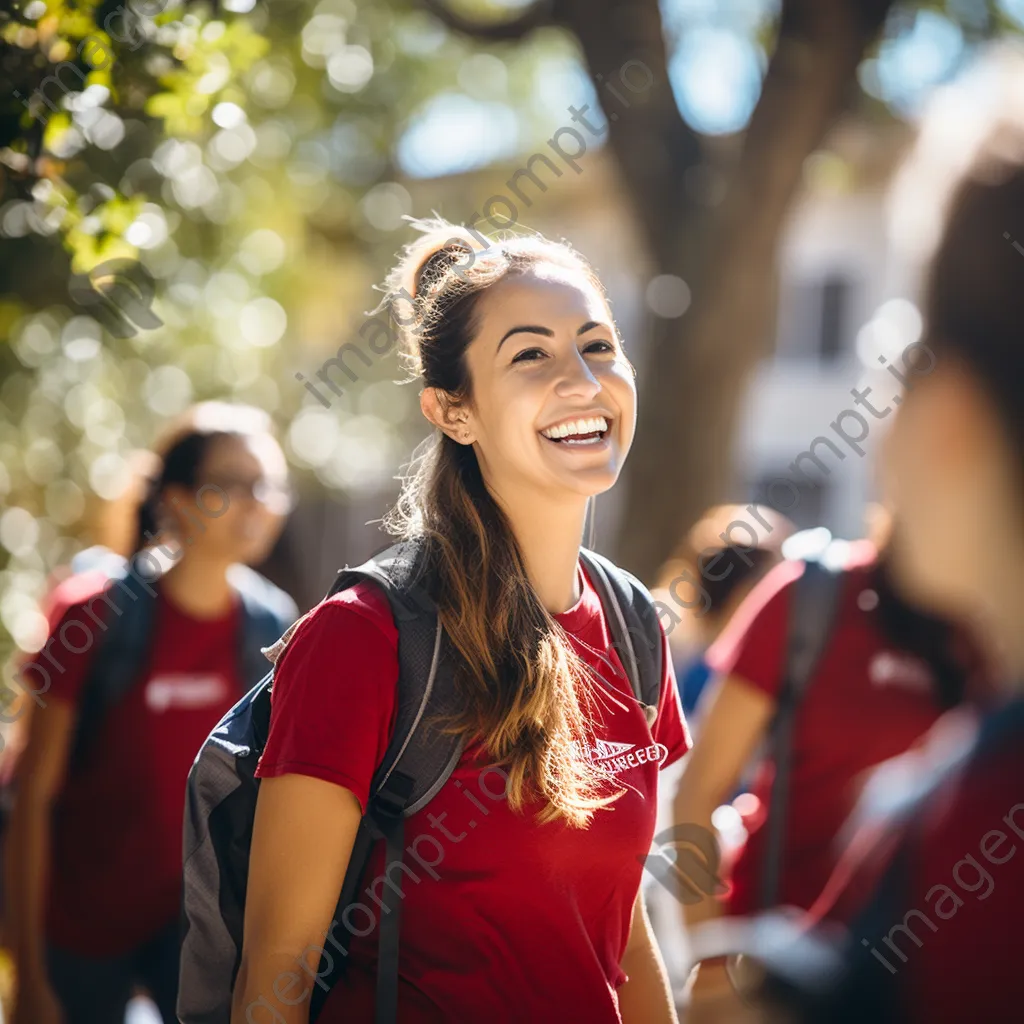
[{"x": 576, "y": 378}]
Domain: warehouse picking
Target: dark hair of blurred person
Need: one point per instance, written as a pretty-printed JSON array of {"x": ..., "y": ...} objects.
[
  {"x": 939, "y": 938},
  {"x": 707, "y": 579},
  {"x": 886, "y": 673},
  {"x": 93, "y": 865}
]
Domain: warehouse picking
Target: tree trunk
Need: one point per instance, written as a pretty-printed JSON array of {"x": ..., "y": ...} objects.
[{"x": 698, "y": 369}]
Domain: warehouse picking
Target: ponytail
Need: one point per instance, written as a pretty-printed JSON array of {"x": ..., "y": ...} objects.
[{"x": 524, "y": 690}]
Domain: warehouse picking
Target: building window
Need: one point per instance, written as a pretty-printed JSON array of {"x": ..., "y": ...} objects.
[
  {"x": 835, "y": 301},
  {"x": 814, "y": 318},
  {"x": 803, "y": 503}
]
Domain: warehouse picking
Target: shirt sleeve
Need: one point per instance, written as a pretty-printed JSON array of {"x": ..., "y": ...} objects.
[
  {"x": 77, "y": 615},
  {"x": 752, "y": 645},
  {"x": 670, "y": 728},
  {"x": 334, "y": 694}
]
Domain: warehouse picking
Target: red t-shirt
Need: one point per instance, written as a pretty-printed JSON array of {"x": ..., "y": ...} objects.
[
  {"x": 866, "y": 702},
  {"x": 515, "y": 921},
  {"x": 967, "y": 889},
  {"x": 933, "y": 882},
  {"x": 115, "y": 869}
]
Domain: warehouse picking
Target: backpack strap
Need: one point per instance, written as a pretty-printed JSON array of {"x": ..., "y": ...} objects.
[
  {"x": 417, "y": 763},
  {"x": 119, "y": 658},
  {"x": 813, "y": 607},
  {"x": 633, "y": 621},
  {"x": 267, "y": 611}
]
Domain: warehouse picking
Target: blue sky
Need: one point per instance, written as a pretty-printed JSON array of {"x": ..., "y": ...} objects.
[{"x": 716, "y": 67}]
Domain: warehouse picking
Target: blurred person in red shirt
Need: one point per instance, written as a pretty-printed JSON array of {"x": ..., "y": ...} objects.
[
  {"x": 93, "y": 860},
  {"x": 707, "y": 579},
  {"x": 886, "y": 673},
  {"x": 938, "y": 840}
]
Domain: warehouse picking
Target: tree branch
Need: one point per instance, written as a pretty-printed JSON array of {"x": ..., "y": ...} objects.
[
  {"x": 623, "y": 44},
  {"x": 537, "y": 14}
]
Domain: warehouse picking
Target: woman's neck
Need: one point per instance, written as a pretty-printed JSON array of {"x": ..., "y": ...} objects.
[
  {"x": 549, "y": 535},
  {"x": 199, "y": 588}
]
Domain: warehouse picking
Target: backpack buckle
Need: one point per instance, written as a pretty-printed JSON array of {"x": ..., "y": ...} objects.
[{"x": 393, "y": 797}]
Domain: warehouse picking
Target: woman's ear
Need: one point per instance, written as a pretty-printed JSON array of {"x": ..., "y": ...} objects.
[{"x": 448, "y": 416}]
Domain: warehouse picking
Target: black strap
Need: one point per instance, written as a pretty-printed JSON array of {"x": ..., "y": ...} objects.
[
  {"x": 814, "y": 604},
  {"x": 260, "y": 627},
  {"x": 636, "y": 633},
  {"x": 416, "y": 763},
  {"x": 128, "y": 607},
  {"x": 389, "y": 817},
  {"x": 384, "y": 819}
]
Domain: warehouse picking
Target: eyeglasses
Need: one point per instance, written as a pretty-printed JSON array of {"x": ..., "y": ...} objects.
[{"x": 276, "y": 497}]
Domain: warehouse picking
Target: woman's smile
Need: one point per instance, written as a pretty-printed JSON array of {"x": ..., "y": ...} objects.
[{"x": 584, "y": 433}]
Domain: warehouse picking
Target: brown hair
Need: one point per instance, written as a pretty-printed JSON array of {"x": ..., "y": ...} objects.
[
  {"x": 974, "y": 305},
  {"x": 523, "y": 688}
]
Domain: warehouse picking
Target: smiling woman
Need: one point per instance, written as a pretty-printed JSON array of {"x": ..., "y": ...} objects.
[{"x": 538, "y": 916}]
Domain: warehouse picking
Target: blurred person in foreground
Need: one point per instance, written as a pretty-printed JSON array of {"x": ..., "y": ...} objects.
[
  {"x": 720, "y": 574},
  {"x": 938, "y": 840},
  {"x": 93, "y": 866},
  {"x": 884, "y": 672}
]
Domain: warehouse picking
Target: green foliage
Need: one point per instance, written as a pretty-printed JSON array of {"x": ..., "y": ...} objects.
[{"x": 246, "y": 158}]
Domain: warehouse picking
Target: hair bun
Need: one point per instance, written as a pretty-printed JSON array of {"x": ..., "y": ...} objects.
[{"x": 437, "y": 264}]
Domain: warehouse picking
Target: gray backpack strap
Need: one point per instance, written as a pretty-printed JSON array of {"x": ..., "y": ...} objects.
[
  {"x": 812, "y": 613},
  {"x": 417, "y": 763},
  {"x": 267, "y": 611},
  {"x": 636, "y": 632}
]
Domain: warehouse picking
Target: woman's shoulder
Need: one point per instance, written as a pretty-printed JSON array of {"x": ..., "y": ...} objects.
[
  {"x": 359, "y": 614},
  {"x": 364, "y": 599},
  {"x": 75, "y": 593}
]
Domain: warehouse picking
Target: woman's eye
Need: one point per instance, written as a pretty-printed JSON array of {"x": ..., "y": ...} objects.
[
  {"x": 528, "y": 355},
  {"x": 600, "y": 347}
]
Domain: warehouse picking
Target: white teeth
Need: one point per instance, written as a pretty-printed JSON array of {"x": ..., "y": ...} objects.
[{"x": 588, "y": 426}]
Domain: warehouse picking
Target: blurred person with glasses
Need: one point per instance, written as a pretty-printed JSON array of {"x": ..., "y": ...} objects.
[{"x": 144, "y": 657}]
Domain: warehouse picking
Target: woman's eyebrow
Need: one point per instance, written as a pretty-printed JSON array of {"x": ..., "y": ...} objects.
[
  {"x": 546, "y": 331},
  {"x": 526, "y": 329}
]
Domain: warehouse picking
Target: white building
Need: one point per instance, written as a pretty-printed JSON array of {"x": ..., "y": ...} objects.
[{"x": 836, "y": 273}]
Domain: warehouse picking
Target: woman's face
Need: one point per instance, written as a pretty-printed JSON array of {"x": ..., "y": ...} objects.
[
  {"x": 553, "y": 406},
  {"x": 949, "y": 468},
  {"x": 237, "y": 508}
]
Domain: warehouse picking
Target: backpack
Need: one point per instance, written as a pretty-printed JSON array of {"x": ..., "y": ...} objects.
[
  {"x": 222, "y": 787},
  {"x": 811, "y": 619},
  {"x": 125, "y": 643}
]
